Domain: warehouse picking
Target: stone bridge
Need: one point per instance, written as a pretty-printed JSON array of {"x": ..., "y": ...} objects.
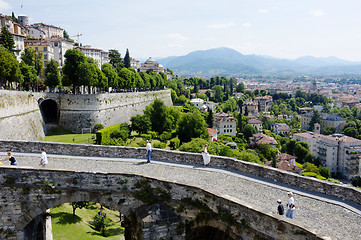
[{"x": 173, "y": 197}]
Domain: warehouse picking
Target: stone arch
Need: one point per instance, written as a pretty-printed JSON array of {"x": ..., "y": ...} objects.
[
  {"x": 49, "y": 110},
  {"x": 211, "y": 230}
]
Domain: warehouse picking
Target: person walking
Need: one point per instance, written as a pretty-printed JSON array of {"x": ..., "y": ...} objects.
[
  {"x": 280, "y": 208},
  {"x": 149, "y": 151},
  {"x": 205, "y": 155},
  {"x": 11, "y": 158},
  {"x": 43, "y": 158},
  {"x": 290, "y": 205}
]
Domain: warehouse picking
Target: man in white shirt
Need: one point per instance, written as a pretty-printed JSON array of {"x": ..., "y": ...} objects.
[
  {"x": 43, "y": 158},
  {"x": 149, "y": 150},
  {"x": 290, "y": 205}
]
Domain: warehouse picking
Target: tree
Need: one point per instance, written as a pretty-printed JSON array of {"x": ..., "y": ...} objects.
[
  {"x": 115, "y": 59},
  {"x": 210, "y": 118},
  {"x": 160, "y": 117},
  {"x": 301, "y": 150},
  {"x": 28, "y": 56},
  {"x": 356, "y": 181},
  {"x": 324, "y": 172},
  {"x": 66, "y": 35},
  {"x": 140, "y": 123},
  {"x": 80, "y": 205},
  {"x": 9, "y": 67},
  {"x": 101, "y": 223},
  {"x": 351, "y": 132},
  {"x": 192, "y": 125},
  {"x": 248, "y": 131},
  {"x": 52, "y": 77},
  {"x": 218, "y": 93},
  {"x": 240, "y": 87},
  {"x": 29, "y": 74},
  {"x": 316, "y": 118},
  {"x": 127, "y": 59},
  {"x": 111, "y": 74},
  {"x": 7, "y": 40},
  {"x": 73, "y": 58},
  {"x": 328, "y": 130}
]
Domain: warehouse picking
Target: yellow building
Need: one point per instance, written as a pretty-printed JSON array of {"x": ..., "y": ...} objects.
[
  {"x": 49, "y": 30},
  {"x": 45, "y": 47}
]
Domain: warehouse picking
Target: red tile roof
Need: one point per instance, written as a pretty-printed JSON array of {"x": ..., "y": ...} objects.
[
  {"x": 285, "y": 156},
  {"x": 212, "y": 132}
]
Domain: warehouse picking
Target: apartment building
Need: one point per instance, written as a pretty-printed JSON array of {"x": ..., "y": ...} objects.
[
  {"x": 256, "y": 123},
  {"x": 100, "y": 57},
  {"x": 327, "y": 120},
  {"x": 264, "y": 103},
  {"x": 49, "y": 30},
  {"x": 42, "y": 46},
  {"x": 18, "y": 33},
  {"x": 338, "y": 152},
  {"x": 252, "y": 108},
  {"x": 60, "y": 46},
  {"x": 225, "y": 123}
]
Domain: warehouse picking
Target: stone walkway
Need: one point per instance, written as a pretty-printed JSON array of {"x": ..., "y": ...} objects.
[{"x": 328, "y": 216}]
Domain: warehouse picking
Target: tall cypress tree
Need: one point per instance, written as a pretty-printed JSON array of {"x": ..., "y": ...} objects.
[
  {"x": 210, "y": 118},
  {"x": 7, "y": 40},
  {"x": 127, "y": 59}
]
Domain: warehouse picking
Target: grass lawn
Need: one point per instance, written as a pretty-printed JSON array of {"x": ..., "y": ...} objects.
[
  {"x": 85, "y": 138},
  {"x": 66, "y": 226},
  {"x": 61, "y": 135}
]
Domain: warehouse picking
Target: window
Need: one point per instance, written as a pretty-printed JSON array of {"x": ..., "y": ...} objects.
[
  {"x": 45, "y": 49},
  {"x": 36, "y": 48},
  {"x": 230, "y": 130},
  {"x": 55, "y": 44},
  {"x": 45, "y": 56}
]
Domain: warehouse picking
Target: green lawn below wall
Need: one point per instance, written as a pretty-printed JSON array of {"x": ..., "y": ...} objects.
[{"x": 67, "y": 227}]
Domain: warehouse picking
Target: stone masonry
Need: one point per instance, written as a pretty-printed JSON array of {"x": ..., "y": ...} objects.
[{"x": 27, "y": 192}]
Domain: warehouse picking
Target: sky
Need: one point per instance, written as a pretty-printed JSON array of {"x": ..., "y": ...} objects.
[{"x": 161, "y": 28}]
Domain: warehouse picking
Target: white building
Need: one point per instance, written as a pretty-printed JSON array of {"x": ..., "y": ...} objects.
[
  {"x": 224, "y": 123},
  {"x": 60, "y": 46},
  {"x": 17, "y": 31},
  {"x": 257, "y": 124},
  {"x": 198, "y": 102},
  {"x": 338, "y": 152},
  {"x": 35, "y": 33},
  {"x": 49, "y": 30},
  {"x": 100, "y": 57}
]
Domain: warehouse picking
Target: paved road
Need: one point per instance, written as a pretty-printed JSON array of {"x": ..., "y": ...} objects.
[{"x": 329, "y": 216}]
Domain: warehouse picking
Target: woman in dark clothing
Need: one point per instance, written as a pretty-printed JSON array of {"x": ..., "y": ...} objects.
[{"x": 11, "y": 158}]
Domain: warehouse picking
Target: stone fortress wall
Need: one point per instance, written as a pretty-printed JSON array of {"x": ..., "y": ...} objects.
[
  {"x": 312, "y": 184},
  {"x": 21, "y": 115}
]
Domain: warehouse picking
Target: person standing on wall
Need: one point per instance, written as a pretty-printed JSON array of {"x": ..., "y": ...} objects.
[
  {"x": 149, "y": 151},
  {"x": 205, "y": 155},
  {"x": 43, "y": 158},
  {"x": 290, "y": 205},
  {"x": 11, "y": 158}
]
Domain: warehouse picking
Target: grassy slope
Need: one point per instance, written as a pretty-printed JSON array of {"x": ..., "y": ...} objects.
[
  {"x": 66, "y": 226},
  {"x": 61, "y": 135}
]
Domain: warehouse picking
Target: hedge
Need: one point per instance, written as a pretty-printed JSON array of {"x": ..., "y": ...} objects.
[{"x": 103, "y": 135}]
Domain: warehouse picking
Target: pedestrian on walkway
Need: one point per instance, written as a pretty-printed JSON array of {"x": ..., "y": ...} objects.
[
  {"x": 11, "y": 158},
  {"x": 149, "y": 151},
  {"x": 290, "y": 205},
  {"x": 205, "y": 155},
  {"x": 43, "y": 158},
  {"x": 280, "y": 208}
]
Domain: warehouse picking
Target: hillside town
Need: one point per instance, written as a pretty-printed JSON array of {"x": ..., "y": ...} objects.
[{"x": 90, "y": 104}]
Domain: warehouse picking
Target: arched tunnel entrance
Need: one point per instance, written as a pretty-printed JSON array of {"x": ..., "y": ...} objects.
[{"x": 49, "y": 111}]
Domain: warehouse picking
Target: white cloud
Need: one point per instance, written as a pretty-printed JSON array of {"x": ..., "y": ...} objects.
[
  {"x": 4, "y": 6},
  {"x": 317, "y": 13},
  {"x": 221, "y": 25},
  {"x": 247, "y": 24},
  {"x": 177, "y": 37},
  {"x": 263, "y": 11}
]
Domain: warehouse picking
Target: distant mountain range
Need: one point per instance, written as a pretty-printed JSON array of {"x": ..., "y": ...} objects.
[{"x": 227, "y": 61}]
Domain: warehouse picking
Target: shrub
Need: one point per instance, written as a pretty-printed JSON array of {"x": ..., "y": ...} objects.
[
  {"x": 174, "y": 143},
  {"x": 320, "y": 177},
  {"x": 146, "y": 136},
  {"x": 356, "y": 181},
  {"x": 158, "y": 144},
  {"x": 324, "y": 172},
  {"x": 98, "y": 127},
  {"x": 152, "y": 134},
  {"x": 101, "y": 224},
  {"x": 103, "y": 135},
  {"x": 333, "y": 180},
  {"x": 165, "y": 136},
  {"x": 309, "y": 174},
  {"x": 309, "y": 167}
]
